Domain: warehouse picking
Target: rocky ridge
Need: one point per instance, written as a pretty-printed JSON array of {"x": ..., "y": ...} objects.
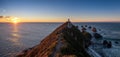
[{"x": 65, "y": 41}]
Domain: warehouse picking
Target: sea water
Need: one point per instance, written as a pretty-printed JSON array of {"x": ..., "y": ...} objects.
[{"x": 17, "y": 37}]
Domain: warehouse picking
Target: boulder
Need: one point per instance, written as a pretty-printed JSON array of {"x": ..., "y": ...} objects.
[
  {"x": 89, "y": 27},
  {"x": 97, "y": 36},
  {"x": 109, "y": 45},
  {"x": 94, "y": 29},
  {"x": 84, "y": 29}
]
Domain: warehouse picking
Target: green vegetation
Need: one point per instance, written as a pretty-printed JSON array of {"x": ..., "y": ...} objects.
[{"x": 76, "y": 46}]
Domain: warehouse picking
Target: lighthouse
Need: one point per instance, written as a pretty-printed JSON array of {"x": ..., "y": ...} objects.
[
  {"x": 68, "y": 20},
  {"x": 69, "y": 23}
]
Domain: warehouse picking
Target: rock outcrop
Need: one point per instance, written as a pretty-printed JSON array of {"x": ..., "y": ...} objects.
[{"x": 66, "y": 41}]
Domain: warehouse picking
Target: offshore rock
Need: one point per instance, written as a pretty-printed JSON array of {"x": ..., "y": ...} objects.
[{"x": 97, "y": 36}]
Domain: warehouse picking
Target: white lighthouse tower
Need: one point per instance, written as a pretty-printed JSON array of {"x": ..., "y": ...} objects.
[{"x": 69, "y": 23}]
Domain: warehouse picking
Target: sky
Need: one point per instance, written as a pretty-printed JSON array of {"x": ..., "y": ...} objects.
[{"x": 61, "y": 10}]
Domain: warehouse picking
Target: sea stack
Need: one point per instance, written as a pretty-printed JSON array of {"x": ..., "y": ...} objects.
[{"x": 65, "y": 41}]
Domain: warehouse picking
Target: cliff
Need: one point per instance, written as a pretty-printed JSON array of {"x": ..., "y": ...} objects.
[{"x": 65, "y": 41}]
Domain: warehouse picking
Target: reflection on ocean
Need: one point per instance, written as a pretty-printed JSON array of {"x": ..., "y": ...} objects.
[
  {"x": 15, "y": 36},
  {"x": 15, "y": 28}
]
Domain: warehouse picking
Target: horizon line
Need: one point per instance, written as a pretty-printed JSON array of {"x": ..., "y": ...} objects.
[{"x": 65, "y": 21}]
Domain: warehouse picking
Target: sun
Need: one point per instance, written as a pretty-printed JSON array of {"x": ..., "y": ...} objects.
[{"x": 15, "y": 20}]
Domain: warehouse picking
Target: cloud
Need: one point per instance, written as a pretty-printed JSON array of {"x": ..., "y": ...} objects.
[
  {"x": 1, "y": 17},
  {"x": 7, "y": 16}
]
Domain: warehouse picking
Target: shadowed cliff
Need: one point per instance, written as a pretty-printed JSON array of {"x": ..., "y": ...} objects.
[{"x": 65, "y": 41}]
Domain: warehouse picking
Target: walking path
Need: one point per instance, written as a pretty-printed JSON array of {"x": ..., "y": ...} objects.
[{"x": 58, "y": 45}]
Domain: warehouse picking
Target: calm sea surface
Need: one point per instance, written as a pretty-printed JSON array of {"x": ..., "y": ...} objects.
[{"x": 16, "y": 37}]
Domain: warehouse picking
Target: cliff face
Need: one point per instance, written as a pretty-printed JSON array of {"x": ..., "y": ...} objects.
[{"x": 66, "y": 41}]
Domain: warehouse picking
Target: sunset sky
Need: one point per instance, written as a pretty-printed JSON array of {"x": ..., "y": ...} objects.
[{"x": 60, "y": 10}]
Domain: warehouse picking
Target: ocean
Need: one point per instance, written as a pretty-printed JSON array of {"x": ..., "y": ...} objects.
[{"x": 17, "y": 37}]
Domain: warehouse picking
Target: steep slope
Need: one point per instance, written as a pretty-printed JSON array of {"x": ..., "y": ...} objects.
[{"x": 65, "y": 41}]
